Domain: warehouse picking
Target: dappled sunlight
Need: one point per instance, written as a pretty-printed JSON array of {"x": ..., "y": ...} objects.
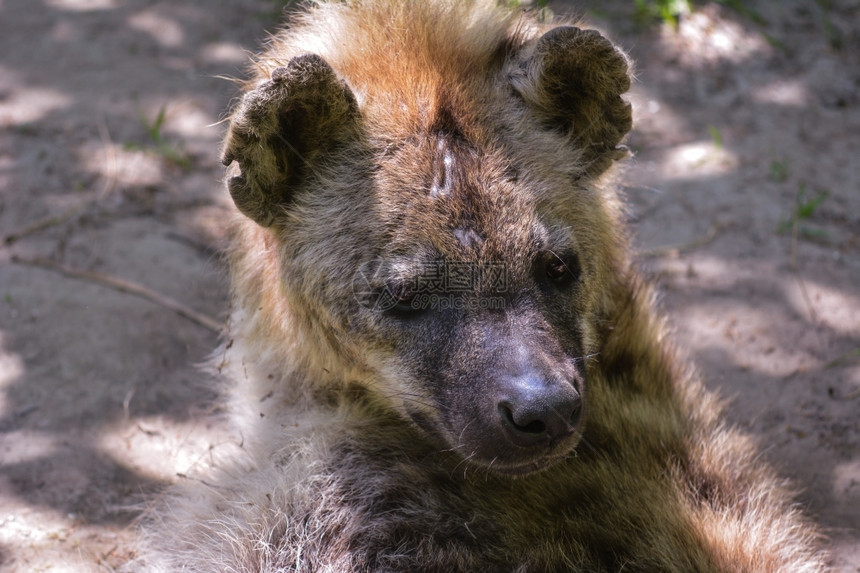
[
  {"x": 122, "y": 166},
  {"x": 82, "y": 5},
  {"x": 746, "y": 334},
  {"x": 91, "y": 180},
  {"x": 47, "y": 539},
  {"x": 11, "y": 369},
  {"x": 742, "y": 326},
  {"x": 158, "y": 448},
  {"x": 167, "y": 32},
  {"x": 705, "y": 37},
  {"x": 99, "y": 407},
  {"x": 710, "y": 270},
  {"x": 225, "y": 53},
  {"x": 655, "y": 116},
  {"x": 698, "y": 159},
  {"x": 845, "y": 478},
  {"x": 837, "y": 309},
  {"x": 187, "y": 119},
  {"x": 845, "y": 487},
  {"x": 21, "y": 104},
  {"x": 783, "y": 92},
  {"x": 30, "y": 528},
  {"x": 23, "y": 446}
]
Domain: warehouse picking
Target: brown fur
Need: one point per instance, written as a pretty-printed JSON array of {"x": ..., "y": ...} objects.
[{"x": 378, "y": 136}]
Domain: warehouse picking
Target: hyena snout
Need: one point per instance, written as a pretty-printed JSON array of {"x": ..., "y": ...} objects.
[
  {"x": 526, "y": 407},
  {"x": 536, "y": 411}
]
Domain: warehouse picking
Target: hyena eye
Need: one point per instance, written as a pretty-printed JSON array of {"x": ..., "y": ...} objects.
[
  {"x": 561, "y": 270},
  {"x": 405, "y": 302}
]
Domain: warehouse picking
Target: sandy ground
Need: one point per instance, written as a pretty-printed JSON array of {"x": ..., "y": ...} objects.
[{"x": 745, "y": 194}]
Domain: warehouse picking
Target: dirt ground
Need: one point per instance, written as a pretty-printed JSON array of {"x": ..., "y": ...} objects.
[{"x": 745, "y": 196}]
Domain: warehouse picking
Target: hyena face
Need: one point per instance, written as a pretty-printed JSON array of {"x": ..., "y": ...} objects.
[
  {"x": 461, "y": 274},
  {"x": 476, "y": 306}
]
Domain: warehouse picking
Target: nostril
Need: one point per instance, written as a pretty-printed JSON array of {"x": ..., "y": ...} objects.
[
  {"x": 521, "y": 427},
  {"x": 532, "y": 427},
  {"x": 576, "y": 414},
  {"x": 541, "y": 418},
  {"x": 536, "y": 427}
]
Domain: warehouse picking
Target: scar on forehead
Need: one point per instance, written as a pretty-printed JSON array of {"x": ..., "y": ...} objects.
[
  {"x": 469, "y": 238},
  {"x": 443, "y": 170}
]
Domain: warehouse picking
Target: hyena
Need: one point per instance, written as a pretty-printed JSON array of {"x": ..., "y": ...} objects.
[{"x": 440, "y": 355}]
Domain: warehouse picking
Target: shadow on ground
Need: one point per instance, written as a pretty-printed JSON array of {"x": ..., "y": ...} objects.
[{"x": 108, "y": 164}]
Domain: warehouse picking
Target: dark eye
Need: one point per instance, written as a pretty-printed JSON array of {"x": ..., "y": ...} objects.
[
  {"x": 555, "y": 269},
  {"x": 403, "y": 302},
  {"x": 561, "y": 270},
  {"x": 406, "y": 302}
]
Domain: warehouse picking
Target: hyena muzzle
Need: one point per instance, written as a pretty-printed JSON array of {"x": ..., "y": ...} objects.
[{"x": 440, "y": 357}]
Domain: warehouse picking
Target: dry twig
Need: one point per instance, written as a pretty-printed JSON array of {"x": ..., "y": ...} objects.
[
  {"x": 125, "y": 286},
  {"x": 796, "y": 267},
  {"x": 110, "y": 177},
  {"x": 42, "y": 224},
  {"x": 675, "y": 250}
]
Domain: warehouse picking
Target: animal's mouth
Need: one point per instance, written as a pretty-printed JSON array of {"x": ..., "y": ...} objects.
[
  {"x": 501, "y": 457},
  {"x": 522, "y": 426},
  {"x": 533, "y": 465},
  {"x": 541, "y": 432},
  {"x": 512, "y": 460}
]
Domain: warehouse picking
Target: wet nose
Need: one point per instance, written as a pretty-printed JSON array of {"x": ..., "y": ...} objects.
[{"x": 537, "y": 412}]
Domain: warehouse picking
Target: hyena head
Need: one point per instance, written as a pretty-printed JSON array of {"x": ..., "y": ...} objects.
[{"x": 430, "y": 194}]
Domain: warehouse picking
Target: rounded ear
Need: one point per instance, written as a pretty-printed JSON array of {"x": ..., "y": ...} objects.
[
  {"x": 573, "y": 80},
  {"x": 280, "y": 128}
]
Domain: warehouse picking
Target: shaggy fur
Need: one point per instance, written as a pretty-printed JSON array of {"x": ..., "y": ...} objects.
[{"x": 381, "y": 142}]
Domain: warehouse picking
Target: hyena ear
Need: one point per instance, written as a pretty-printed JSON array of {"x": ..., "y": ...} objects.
[
  {"x": 280, "y": 128},
  {"x": 573, "y": 80}
]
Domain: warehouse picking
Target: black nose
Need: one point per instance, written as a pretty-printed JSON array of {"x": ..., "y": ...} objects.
[{"x": 537, "y": 412}]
